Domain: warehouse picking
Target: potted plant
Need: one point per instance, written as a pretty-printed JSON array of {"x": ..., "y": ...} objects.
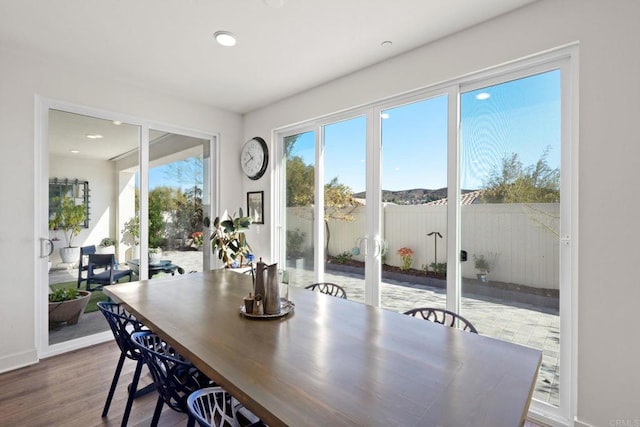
[
  {"x": 483, "y": 265},
  {"x": 131, "y": 236},
  {"x": 69, "y": 218},
  {"x": 197, "y": 237},
  {"x": 228, "y": 239},
  {"x": 107, "y": 246},
  {"x": 155, "y": 254},
  {"x": 67, "y": 305}
]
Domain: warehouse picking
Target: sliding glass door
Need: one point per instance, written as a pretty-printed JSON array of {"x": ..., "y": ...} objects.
[
  {"x": 132, "y": 190},
  {"x": 510, "y": 222},
  {"x": 448, "y": 198}
]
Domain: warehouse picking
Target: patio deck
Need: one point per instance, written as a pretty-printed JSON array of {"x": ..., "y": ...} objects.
[{"x": 516, "y": 322}]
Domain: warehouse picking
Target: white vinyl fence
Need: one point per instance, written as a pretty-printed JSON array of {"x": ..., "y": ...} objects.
[{"x": 521, "y": 240}]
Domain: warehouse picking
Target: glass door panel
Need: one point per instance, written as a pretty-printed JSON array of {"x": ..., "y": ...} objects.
[
  {"x": 414, "y": 203},
  {"x": 510, "y": 163},
  {"x": 178, "y": 184},
  {"x": 88, "y": 166},
  {"x": 344, "y": 155},
  {"x": 299, "y": 161}
]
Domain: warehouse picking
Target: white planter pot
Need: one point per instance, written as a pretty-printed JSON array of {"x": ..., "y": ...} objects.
[
  {"x": 106, "y": 250},
  {"x": 155, "y": 258},
  {"x": 70, "y": 255}
]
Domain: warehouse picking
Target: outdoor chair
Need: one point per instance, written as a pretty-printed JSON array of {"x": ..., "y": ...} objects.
[
  {"x": 83, "y": 266},
  {"x": 174, "y": 376},
  {"x": 442, "y": 316},
  {"x": 329, "y": 289},
  {"x": 108, "y": 276},
  {"x": 122, "y": 324},
  {"x": 214, "y": 407}
]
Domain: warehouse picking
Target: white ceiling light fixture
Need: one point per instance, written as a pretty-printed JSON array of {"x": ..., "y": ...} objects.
[
  {"x": 94, "y": 136},
  {"x": 276, "y": 4},
  {"x": 225, "y": 38},
  {"x": 74, "y": 151}
]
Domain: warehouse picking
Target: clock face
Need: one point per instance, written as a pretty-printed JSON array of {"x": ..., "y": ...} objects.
[{"x": 254, "y": 158}]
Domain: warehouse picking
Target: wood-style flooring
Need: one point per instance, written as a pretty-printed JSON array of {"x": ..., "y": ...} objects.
[{"x": 70, "y": 389}]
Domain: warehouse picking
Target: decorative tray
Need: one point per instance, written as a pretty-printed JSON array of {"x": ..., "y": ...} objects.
[{"x": 286, "y": 307}]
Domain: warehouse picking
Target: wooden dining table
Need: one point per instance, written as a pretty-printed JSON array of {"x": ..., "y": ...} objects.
[{"x": 335, "y": 362}]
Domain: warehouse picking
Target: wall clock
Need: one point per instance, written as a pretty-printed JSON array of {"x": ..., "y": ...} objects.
[{"x": 254, "y": 158}]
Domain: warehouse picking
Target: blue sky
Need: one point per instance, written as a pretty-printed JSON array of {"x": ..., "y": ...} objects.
[{"x": 521, "y": 116}]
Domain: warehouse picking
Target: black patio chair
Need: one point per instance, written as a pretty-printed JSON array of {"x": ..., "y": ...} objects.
[
  {"x": 329, "y": 289},
  {"x": 108, "y": 276},
  {"x": 82, "y": 265},
  {"x": 442, "y": 316}
]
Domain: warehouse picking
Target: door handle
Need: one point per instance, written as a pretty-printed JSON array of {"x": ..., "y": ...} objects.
[{"x": 43, "y": 242}]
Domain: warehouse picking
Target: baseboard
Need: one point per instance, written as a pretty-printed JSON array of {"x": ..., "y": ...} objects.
[
  {"x": 77, "y": 344},
  {"x": 18, "y": 360}
]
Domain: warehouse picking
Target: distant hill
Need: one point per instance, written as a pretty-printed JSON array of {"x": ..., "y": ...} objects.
[{"x": 416, "y": 196}]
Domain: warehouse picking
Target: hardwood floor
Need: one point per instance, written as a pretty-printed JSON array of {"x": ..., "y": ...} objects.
[{"x": 70, "y": 390}]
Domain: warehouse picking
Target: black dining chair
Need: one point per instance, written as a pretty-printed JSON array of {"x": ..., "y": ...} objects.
[
  {"x": 329, "y": 289},
  {"x": 109, "y": 274},
  {"x": 442, "y": 316},
  {"x": 175, "y": 377},
  {"x": 122, "y": 324}
]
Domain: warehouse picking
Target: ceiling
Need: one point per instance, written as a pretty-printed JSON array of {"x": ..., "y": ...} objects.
[{"x": 284, "y": 46}]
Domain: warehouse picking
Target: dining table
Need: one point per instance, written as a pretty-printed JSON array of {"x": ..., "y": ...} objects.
[{"x": 335, "y": 362}]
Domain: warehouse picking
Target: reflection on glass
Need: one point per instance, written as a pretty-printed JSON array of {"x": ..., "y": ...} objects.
[{"x": 510, "y": 152}]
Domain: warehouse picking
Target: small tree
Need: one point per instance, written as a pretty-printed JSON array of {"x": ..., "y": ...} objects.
[{"x": 69, "y": 218}]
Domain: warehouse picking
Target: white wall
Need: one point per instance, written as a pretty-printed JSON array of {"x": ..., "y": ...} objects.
[
  {"x": 22, "y": 77},
  {"x": 608, "y": 290},
  {"x": 99, "y": 174}
]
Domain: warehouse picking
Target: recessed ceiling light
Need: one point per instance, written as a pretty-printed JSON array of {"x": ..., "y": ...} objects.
[
  {"x": 276, "y": 4},
  {"x": 74, "y": 151},
  {"x": 117, "y": 122},
  {"x": 225, "y": 38},
  {"x": 94, "y": 136},
  {"x": 482, "y": 96}
]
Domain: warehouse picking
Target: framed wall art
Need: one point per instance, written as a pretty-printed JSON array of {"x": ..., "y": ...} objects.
[{"x": 255, "y": 206}]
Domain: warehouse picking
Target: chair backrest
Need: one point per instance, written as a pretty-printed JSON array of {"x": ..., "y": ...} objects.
[
  {"x": 442, "y": 316},
  {"x": 329, "y": 289},
  {"x": 122, "y": 324},
  {"x": 174, "y": 376},
  {"x": 212, "y": 407},
  {"x": 82, "y": 265},
  {"x": 106, "y": 261}
]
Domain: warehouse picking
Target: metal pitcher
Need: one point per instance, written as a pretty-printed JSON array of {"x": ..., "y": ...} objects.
[
  {"x": 258, "y": 285},
  {"x": 272, "y": 290}
]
